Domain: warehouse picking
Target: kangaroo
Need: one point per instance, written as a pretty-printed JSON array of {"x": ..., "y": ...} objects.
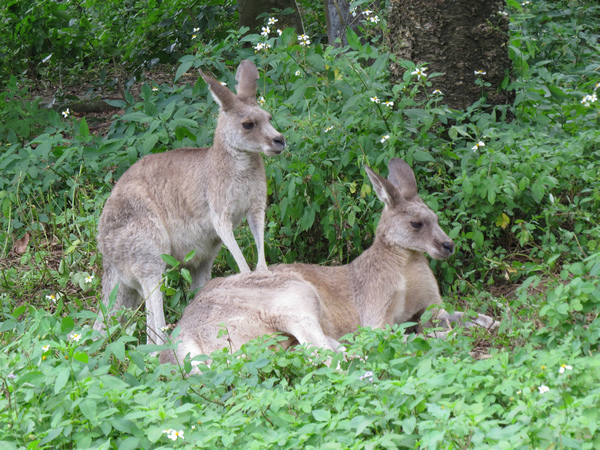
[
  {"x": 189, "y": 199},
  {"x": 391, "y": 282}
]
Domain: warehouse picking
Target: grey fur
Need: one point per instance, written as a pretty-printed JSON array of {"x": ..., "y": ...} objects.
[
  {"x": 391, "y": 282},
  {"x": 189, "y": 199}
]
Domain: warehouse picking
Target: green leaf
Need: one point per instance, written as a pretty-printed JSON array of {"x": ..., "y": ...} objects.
[
  {"x": 18, "y": 311},
  {"x": 132, "y": 155},
  {"x": 137, "y": 117},
  {"x": 137, "y": 359},
  {"x": 81, "y": 357},
  {"x": 361, "y": 422},
  {"x": 183, "y": 68},
  {"x": 353, "y": 40},
  {"x": 409, "y": 424},
  {"x": 89, "y": 409},
  {"x": 151, "y": 348},
  {"x": 537, "y": 191},
  {"x": 67, "y": 324},
  {"x": 83, "y": 128},
  {"x": 154, "y": 434},
  {"x": 52, "y": 434},
  {"x": 170, "y": 260},
  {"x": 149, "y": 143},
  {"x": 169, "y": 110},
  {"x": 61, "y": 379},
  {"x": 478, "y": 238},
  {"x": 379, "y": 66},
  {"x": 321, "y": 415},
  {"x": 422, "y": 156},
  {"x": 117, "y": 348}
]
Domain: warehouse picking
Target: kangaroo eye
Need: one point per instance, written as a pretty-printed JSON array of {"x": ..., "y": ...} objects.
[
  {"x": 248, "y": 125},
  {"x": 416, "y": 225}
]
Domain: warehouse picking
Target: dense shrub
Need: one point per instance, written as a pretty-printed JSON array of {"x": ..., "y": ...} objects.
[{"x": 517, "y": 188}]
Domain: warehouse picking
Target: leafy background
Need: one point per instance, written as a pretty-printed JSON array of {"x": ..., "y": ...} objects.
[{"x": 522, "y": 211}]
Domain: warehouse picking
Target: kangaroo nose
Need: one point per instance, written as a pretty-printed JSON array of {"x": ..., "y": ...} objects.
[
  {"x": 448, "y": 246},
  {"x": 279, "y": 141}
]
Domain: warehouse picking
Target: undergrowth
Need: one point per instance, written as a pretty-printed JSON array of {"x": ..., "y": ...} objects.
[{"x": 516, "y": 187}]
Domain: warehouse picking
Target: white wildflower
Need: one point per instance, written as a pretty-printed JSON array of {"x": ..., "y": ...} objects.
[
  {"x": 564, "y": 367},
  {"x": 53, "y": 298},
  {"x": 297, "y": 73},
  {"x": 480, "y": 72},
  {"x": 478, "y": 145},
  {"x": 388, "y": 103},
  {"x": 374, "y": 19},
  {"x": 279, "y": 32},
  {"x": 76, "y": 337},
  {"x": 367, "y": 12},
  {"x": 304, "y": 40},
  {"x": 437, "y": 92},
  {"x": 543, "y": 389},
  {"x": 328, "y": 129},
  {"x": 261, "y": 100},
  {"x": 384, "y": 138},
  {"x": 173, "y": 435},
  {"x": 154, "y": 89},
  {"x": 419, "y": 72},
  {"x": 66, "y": 113},
  {"x": 589, "y": 99},
  {"x": 272, "y": 21},
  {"x": 368, "y": 375},
  {"x": 89, "y": 279},
  {"x": 45, "y": 348},
  {"x": 375, "y": 99},
  {"x": 265, "y": 31}
]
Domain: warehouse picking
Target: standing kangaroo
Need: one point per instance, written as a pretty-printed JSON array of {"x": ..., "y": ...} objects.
[
  {"x": 391, "y": 282},
  {"x": 189, "y": 199}
]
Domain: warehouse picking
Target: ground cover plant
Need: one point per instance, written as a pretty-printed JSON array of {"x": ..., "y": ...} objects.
[{"x": 517, "y": 188}]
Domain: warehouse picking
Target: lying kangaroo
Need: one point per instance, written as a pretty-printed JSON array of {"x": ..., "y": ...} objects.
[
  {"x": 391, "y": 282},
  {"x": 189, "y": 199}
]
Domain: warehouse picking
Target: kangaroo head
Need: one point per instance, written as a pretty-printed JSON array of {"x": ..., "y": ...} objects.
[
  {"x": 407, "y": 222},
  {"x": 243, "y": 125}
]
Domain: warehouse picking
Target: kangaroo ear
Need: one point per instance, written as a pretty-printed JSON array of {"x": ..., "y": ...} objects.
[
  {"x": 385, "y": 190},
  {"x": 403, "y": 177},
  {"x": 222, "y": 95},
  {"x": 246, "y": 76}
]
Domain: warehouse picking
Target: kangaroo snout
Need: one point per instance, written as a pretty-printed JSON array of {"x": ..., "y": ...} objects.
[
  {"x": 448, "y": 247},
  {"x": 278, "y": 145}
]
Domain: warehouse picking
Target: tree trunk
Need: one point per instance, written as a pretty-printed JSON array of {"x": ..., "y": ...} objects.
[
  {"x": 457, "y": 38},
  {"x": 338, "y": 17},
  {"x": 248, "y": 11}
]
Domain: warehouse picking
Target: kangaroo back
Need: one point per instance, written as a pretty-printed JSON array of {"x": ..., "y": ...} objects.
[{"x": 189, "y": 199}]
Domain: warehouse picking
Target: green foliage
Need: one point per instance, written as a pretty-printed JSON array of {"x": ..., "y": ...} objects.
[
  {"x": 61, "y": 389},
  {"x": 42, "y": 37},
  {"x": 516, "y": 187}
]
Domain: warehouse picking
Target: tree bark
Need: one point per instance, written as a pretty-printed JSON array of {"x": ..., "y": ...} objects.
[
  {"x": 248, "y": 10},
  {"x": 338, "y": 18},
  {"x": 457, "y": 38}
]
